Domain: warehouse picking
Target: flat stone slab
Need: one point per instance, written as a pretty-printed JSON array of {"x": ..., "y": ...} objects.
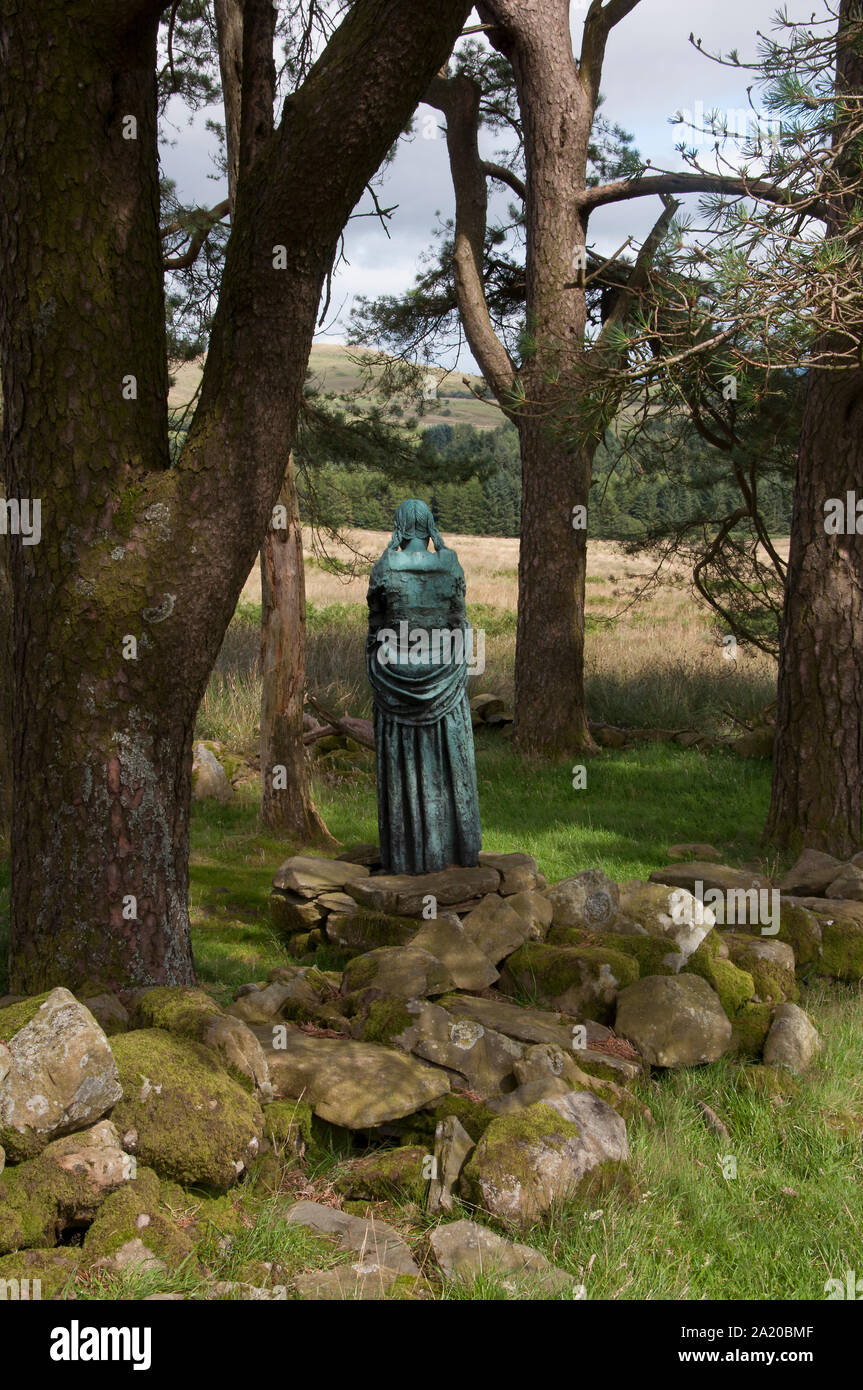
[
  {"x": 465, "y": 1250},
  {"x": 354, "y": 1084},
  {"x": 524, "y": 1024},
  {"x": 405, "y": 895},
  {"x": 720, "y": 876},
  {"x": 309, "y": 875},
  {"x": 517, "y": 871},
  {"x": 377, "y": 1244}
]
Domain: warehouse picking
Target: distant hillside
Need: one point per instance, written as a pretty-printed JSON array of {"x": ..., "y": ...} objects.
[{"x": 335, "y": 373}]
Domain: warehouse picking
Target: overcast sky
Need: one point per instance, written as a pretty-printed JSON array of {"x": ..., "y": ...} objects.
[{"x": 651, "y": 71}]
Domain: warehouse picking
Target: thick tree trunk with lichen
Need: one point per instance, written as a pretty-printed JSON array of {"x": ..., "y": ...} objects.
[
  {"x": 286, "y": 803},
  {"x": 817, "y": 794},
  {"x": 132, "y": 548}
]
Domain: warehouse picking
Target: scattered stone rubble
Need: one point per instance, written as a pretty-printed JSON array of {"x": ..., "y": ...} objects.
[{"x": 481, "y": 1045}]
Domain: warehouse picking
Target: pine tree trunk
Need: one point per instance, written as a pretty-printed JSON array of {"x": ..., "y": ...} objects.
[
  {"x": 818, "y": 756},
  {"x": 286, "y": 802},
  {"x": 550, "y": 710},
  {"x": 131, "y": 546}
]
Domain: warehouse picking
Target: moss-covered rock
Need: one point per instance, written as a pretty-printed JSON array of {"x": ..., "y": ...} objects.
[
  {"x": 288, "y": 1126},
  {"x": 14, "y": 1017},
  {"x": 750, "y": 1027},
  {"x": 528, "y": 1159},
  {"x": 362, "y": 931},
  {"x": 38, "y": 1274},
  {"x": 842, "y": 948},
  {"x": 770, "y": 963},
  {"x": 734, "y": 986},
  {"x": 474, "y": 1115},
  {"x": 385, "y": 1020},
  {"x": 64, "y": 1186},
  {"x": 182, "y": 1113},
  {"x": 394, "y": 1173},
  {"x": 801, "y": 929},
  {"x": 580, "y": 980},
  {"x": 134, "y": 1213}
]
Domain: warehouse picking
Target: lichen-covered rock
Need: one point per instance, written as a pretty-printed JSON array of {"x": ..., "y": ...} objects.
[
  {"x": 734, "y": 986},
  {"x": 209, "y": 779},
  {"x": 133, "y": 1229},
  {"x": 480, "y": 1056},
  {"x": 589, "y": 900},
  {"x": 792, "y": 1041},
  {"x": 528, "y": 1160},
  {"x": 841, "y": 944},
  {"x": 580, "y": 980},
  {"x": 192, "y": 1013},
  {"x": 182, "y": 1113},
  {"x": 515, "y": 1020},
  {"x": 63, "y": 1186},
  {"x": 671, "y": 915},
  {"x": 353, "y": 1084},
  {"x": 465, "y": 1251},
  {"x": 60, "y": 1074},
  {"x": 406, "y": 972},
  {"x": 674, "y": 1020},
  {"x": 800, "y": 928}
]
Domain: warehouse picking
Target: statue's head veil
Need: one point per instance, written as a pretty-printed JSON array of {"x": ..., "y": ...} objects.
[{"x": 414, "y": 519}]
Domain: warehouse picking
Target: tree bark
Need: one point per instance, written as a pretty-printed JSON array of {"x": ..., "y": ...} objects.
[
  {"x": 132, "y": 547},
  {"x": 817, "y": 792},
  {"x": 286, "y": 803}
]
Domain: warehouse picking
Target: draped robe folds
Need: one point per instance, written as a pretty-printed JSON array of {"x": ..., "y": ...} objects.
[{"x": 428, "y": 809}]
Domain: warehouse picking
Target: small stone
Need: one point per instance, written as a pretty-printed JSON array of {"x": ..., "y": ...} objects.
[
  {"x": 517, "y": 871},
  {"x": 452, "y": 1147},
  {"x": 465, "y": 1250},
  {"x": 792, "y": 1041}
]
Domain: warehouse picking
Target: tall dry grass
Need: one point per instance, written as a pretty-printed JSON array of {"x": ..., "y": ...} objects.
[{"x": 653, "y": 657}]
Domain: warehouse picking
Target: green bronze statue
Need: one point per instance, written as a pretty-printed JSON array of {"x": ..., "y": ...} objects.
[{"x": 417, "y": 662}]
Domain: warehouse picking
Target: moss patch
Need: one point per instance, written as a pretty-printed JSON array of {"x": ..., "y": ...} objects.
[
  {"x": 749, "y": 1028},
  {"x": 134, "y": 1212},
  {"x": 393, "y": 1173},
  {"x": 191, "y": 1120},
  {"x": 842, "y": 949}
]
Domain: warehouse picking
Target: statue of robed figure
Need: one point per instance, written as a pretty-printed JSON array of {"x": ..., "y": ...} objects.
[{"x": 417, "y": 663}]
